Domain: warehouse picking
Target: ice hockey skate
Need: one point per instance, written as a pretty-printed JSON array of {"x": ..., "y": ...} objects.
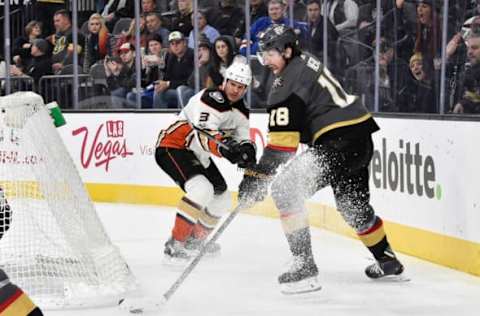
[
  {"x": 176, "y": 254},
  {"x": 300, "y": 278},
  {"x": 193, "y": 245},
  {"x": 388, "y": 268}
]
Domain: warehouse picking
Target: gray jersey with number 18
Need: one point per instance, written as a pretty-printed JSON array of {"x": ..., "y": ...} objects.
[{"x": 306, "y": 102}]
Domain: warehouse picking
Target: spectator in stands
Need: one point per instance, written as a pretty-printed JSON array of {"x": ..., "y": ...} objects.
[
  {"x": 120, "y": 73},
  {"x": 204, "y": 51},
  {"x": 226, "y": 17},
  {"x": 98, "y": 42},
  {"x": 44, "y": 12},
  {"x": 258, "y": 9},
  {"x": 22, "y": 46},
  {"x": 421, "y": 96},
  {"x": 393, "y": 80},
  {"x": 221, "y": 57},
  {"x": 428, "y": 36},
  {"x": 153, "y": 68},
  {"x": 203, "y": 27},
  {"x": 276, "y": 15},
  {"x": 456, "y": 51},
  {"x": 179, "y": 66},
  {"x": 344, "y": 15},
  {"x": 153, "y": 22},
  {"x": 182, "y": 19},
  {"x": 149, "y": 6},
  {"x": 299, "y": 10},
  {"x": 40, "y": 64},
  {"x": 129, "y": 36},
  {"x": 398, "y": 25},
  {"x": 114, "y": 10},
  {"x": 63, "y": 42},
  {"x": 470, "y": 101},
  {"x": 336, "y": 62}
]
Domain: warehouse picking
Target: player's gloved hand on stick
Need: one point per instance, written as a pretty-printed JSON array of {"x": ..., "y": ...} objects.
[
  {"x": 253, "y": 188},
  {"x": 231, "y": 154},
  {"x": 247, "y": 154}
]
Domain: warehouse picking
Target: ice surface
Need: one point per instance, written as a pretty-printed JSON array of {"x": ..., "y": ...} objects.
[{"x": 242, "y": 281}]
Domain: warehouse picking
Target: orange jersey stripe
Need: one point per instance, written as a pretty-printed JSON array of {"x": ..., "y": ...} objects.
[
  {"x": 176, "y": 135},
  {"x": 213, "y": 146}
]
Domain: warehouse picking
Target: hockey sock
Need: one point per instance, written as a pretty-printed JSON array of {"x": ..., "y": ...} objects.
[
  {"x": 376, "y": 240},
  {"x": 200, "y": 231},
  {"x": 295, "y": 226},
  {"x": 300, "y": 243},
  {"x": 187, "y": 215},
  {"x": 205, "y": 224}
]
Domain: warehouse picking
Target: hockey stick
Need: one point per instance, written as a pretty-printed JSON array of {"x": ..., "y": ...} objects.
[
  {"x": 153, "y": 305},
  {"x": 173, "y": 288}
]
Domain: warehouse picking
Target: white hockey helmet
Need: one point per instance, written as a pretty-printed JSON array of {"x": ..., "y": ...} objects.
[{"x": 239, "y": 72}]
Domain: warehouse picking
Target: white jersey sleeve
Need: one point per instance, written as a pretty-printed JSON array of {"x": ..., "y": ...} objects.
[{"x": 211, "y": 111}]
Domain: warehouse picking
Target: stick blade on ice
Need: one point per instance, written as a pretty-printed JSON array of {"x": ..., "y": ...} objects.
[{"x": 140, "y": 305}]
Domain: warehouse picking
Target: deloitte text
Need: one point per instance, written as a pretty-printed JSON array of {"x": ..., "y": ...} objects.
[{"x": 404, "y": 170}]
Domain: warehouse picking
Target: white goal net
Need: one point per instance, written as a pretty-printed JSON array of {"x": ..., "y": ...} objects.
[{"x": 52, "y": 243}]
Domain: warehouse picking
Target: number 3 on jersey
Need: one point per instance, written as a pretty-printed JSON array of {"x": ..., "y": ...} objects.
[{"x": 279, "y": 117}]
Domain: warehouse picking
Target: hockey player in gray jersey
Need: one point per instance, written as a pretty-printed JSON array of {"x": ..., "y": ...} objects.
[{"x": 307, "y": 105}]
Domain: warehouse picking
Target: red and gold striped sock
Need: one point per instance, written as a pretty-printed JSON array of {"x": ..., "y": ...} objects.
[
  {"x": 187, "y": 215},
  {"x": 375, "y": 239}
]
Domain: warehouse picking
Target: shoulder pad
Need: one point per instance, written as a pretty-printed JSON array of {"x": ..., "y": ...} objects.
[
  {"x": 240, "y": 106},
  {"x": 216, "y": 99}
]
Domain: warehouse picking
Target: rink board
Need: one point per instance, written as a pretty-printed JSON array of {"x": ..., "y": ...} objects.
[{"x": 423, "y": 178}]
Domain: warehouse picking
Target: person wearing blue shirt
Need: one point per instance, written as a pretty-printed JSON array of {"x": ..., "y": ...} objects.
[{"x": 276, "y": 15}]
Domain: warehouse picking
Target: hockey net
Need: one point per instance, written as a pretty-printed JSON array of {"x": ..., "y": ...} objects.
[{"x": 52, "y": 244}]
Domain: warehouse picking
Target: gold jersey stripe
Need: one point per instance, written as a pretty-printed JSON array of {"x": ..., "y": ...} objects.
[
  {"x": 374, "y": 237},
  {"x": 341, "y": 124},
  {"x": 294, "y": 221},
  {"x": 284, "y": 139},
  {"x": 189, "y": 211},
  {"x": 207, "y": 220}
]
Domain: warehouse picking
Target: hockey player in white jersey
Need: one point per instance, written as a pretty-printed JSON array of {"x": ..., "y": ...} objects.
[{"x": 184, "y": 152}]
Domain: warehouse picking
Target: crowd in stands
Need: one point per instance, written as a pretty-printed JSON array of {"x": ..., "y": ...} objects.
[{"x": 410, "y": 46}]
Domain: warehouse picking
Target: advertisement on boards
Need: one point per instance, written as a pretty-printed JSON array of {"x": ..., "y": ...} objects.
[{"x": 423, "y": 172}]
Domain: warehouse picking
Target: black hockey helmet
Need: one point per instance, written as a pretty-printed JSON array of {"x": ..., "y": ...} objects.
[{"x": 277, "y": 36}]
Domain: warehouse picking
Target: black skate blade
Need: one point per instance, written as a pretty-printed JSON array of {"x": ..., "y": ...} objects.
[
  {"x": 301, "y": 287},
  {"x": 394, "y": 278}
]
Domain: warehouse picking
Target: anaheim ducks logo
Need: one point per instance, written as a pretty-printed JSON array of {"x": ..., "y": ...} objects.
[{"x": 217, "y": 96}]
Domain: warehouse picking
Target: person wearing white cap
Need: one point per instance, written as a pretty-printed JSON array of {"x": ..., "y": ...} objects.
[
  {"x": 185, "y": 155},
  {"x": 179, "y": 65}
]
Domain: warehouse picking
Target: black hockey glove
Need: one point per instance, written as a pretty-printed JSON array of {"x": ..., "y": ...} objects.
[
  {"x": 253, "y": 188},
  {"x": 231, "y": 154},
  {"x": 247, "y": 154}
]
